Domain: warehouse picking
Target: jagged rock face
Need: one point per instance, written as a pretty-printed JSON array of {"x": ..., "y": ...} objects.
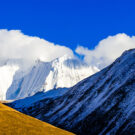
[{"x": 101, "y": 104}]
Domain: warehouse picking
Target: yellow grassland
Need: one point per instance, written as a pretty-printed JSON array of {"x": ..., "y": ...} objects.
[{"x": 13, "y": 122}]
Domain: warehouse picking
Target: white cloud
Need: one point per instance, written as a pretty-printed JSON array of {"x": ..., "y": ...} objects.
[
  {"x": 107, "y": 50},
  {"x": 25, "y": 50}
]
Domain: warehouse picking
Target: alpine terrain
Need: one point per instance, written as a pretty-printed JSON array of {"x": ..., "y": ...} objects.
[{"x": 103, "y": 103}]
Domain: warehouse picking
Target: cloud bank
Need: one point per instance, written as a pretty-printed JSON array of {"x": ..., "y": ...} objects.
[
  {"x": 25, "y": 50},
  {"x": 107, "y": 50}
]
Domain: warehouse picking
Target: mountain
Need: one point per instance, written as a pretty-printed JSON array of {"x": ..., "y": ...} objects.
[
  {"x": 16, "y": 123},
  {"x": 101, "y": 104},
  {"x": 63, "y": 72}
]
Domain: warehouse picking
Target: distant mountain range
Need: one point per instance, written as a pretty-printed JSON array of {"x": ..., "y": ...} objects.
[
  {"x": 63, "y": 72},
  {"x": 101, "y": 104}
]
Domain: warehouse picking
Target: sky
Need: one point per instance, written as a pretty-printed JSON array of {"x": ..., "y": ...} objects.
[
  {"x": 97, "y": 31},
  {"x": 69, "y": 22}
]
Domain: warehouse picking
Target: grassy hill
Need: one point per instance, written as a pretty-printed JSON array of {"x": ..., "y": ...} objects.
[{"x": 13, "y": 122}]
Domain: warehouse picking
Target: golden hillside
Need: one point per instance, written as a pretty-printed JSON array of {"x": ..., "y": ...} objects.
[{"x": 13, "y": 122}]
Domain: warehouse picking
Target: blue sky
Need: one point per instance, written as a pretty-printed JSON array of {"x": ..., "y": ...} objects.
[{"x": 69, "y": 22}]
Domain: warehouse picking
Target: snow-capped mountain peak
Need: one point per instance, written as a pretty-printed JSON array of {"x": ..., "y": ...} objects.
[{"x": 63, "y": 72}]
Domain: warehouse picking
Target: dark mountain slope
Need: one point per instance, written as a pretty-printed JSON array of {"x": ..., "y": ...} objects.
[{"x": 101, "y": 104}]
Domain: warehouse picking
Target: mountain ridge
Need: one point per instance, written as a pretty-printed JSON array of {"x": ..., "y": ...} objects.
[
  {"x": 100, "y": 104},
  {"x": 44, "y": 76}
]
